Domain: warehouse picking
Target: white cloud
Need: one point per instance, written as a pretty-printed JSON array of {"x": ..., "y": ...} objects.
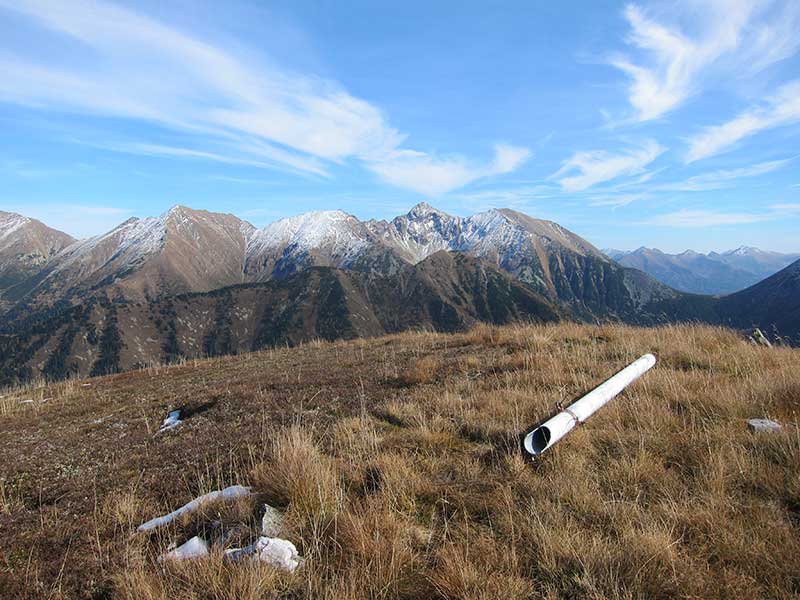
[
  {"x": 433, "y": 176},
  {"x": 786, "y": 208},
  {"x": 598, "y": 166},
  {"x": 781, "y": 109},
  {"x": 505, "y": 198},
  {"x": 290, "y": 161},
  {"x": 508, "y": 158},
  {"x": 618, "y": 201},
  {"x": 716, "y": 180},
  {"x": 735, "y": 37},
  {"x": 687, "y": 218},
  {"x": 704, "y": 218},
  {"x": 237, "y": 111}
]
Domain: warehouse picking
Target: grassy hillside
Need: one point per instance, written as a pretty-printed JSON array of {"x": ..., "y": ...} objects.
[{"x": 396, "y": 460}]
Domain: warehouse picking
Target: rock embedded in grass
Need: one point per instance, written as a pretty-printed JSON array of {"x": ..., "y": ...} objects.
[
  {"x": 757, "y": 425},
  {"x": 276, "y": 552},
  {"x": 171, "y": 422},
  {"x": 271, "y": 521},
  {"x": 196, "y": 547}
]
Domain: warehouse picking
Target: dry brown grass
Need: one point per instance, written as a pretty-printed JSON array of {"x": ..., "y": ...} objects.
[
  {"x": 423, "y": 370},
  {"x": 397, "y": 463}
]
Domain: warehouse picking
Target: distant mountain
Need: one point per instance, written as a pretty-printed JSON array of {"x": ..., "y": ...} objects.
[
  {"x": 772, "y": 305},
  {"x": 321, "y": 239},
  {"x": 444, "y": 292},
  {"x": 613, "y": 253},
  {"x": 183, "y": 250},
  {"x": 191, "y": 282},
  {"x": 712, "y": 273},
  {"x": 555, "y": 262},
  {"x": 26, "y": 246}
]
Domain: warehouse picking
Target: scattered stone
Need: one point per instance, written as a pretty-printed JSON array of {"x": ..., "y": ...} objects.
[
  {"x": 239, "y": 554},
  {"x": 763, "y": 425},
  {"x": 194, "y": 548},
  {"x": 171, "y": 422},
  {"x": 274, "y": 551},
  {"x": 271, "y": 522},
  {"x": 277, "y": 552}
]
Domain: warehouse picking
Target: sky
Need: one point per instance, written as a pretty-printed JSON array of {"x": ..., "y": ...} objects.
[{"x": 663, "y": 124}]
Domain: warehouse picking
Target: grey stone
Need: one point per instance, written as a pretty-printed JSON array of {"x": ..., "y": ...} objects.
[
  {"x": 271, "y": 522},
  {"x": 763, "y": 425}
]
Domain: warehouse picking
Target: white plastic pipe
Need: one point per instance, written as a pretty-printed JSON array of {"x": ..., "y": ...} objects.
[{"x": 555, "y": 428}]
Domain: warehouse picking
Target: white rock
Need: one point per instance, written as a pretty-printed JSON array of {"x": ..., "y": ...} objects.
[
  {"x": 171, "y": 422},
  {"x": 271, "y": 522},
  {"x": 278, "y": 553},
  {"x": 763, "y": 425},
  {"x": 194, "y": 548}
]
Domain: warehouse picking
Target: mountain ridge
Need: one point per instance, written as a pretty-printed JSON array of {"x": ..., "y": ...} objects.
[
  {"x": 716, "y": 273},
  {"x": 191, "y": 283},
  {"x": 186, "y": 250},
  {"x": 445, "y": 292}
]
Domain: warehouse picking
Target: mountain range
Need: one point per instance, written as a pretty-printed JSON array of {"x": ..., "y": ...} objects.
[
  {"x": 191, "y": 283},
  {"x": 712, "y": 273}
]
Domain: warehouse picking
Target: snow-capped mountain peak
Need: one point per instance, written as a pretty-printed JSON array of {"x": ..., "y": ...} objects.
[
  {"x": 423, "y": 210},
  {"x": 306, "y": 230},
  {"x": 333, "y": 237},
  {"x": 130, "y": 243},
  {"x": 742, "y": 251},
  {"x": 11, "y": 222}
]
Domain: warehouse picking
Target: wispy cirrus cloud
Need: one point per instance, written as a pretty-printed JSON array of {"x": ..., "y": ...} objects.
[
  {"x": 704, "y": 218},
  {"x": 783, "y": 108},
  {"x": 618, "y": 200},
  {"x": 720, "y": 179},
  {"x": 587, "y": 168},
  {"x": 512, "y": 197},
  {"x": 433, "y": 176},
  {"x": 786, "y": 208},
  {"x": 639, "y": 188},
  {"x": 689, "y": 218},
  {"x": 283, "y": 161},
  {"x": 734, "y": 36},
  {"x": 232, "y": 109}
]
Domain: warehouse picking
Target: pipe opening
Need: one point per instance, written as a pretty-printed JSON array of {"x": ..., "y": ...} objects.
[{"x": 540, "y": 439}]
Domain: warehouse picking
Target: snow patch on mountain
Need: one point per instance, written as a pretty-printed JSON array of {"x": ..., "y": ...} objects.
[
  {"x": 426, "y": 230},
  {"x": 336, "y": 231},
  {"x": 10, "y": 223},
  {"x": 744, "y": 251},
  {"x": 130, "y": 243}
]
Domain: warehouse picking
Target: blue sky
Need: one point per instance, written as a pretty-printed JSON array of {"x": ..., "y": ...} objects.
[{"x": 667, "y": 124}]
